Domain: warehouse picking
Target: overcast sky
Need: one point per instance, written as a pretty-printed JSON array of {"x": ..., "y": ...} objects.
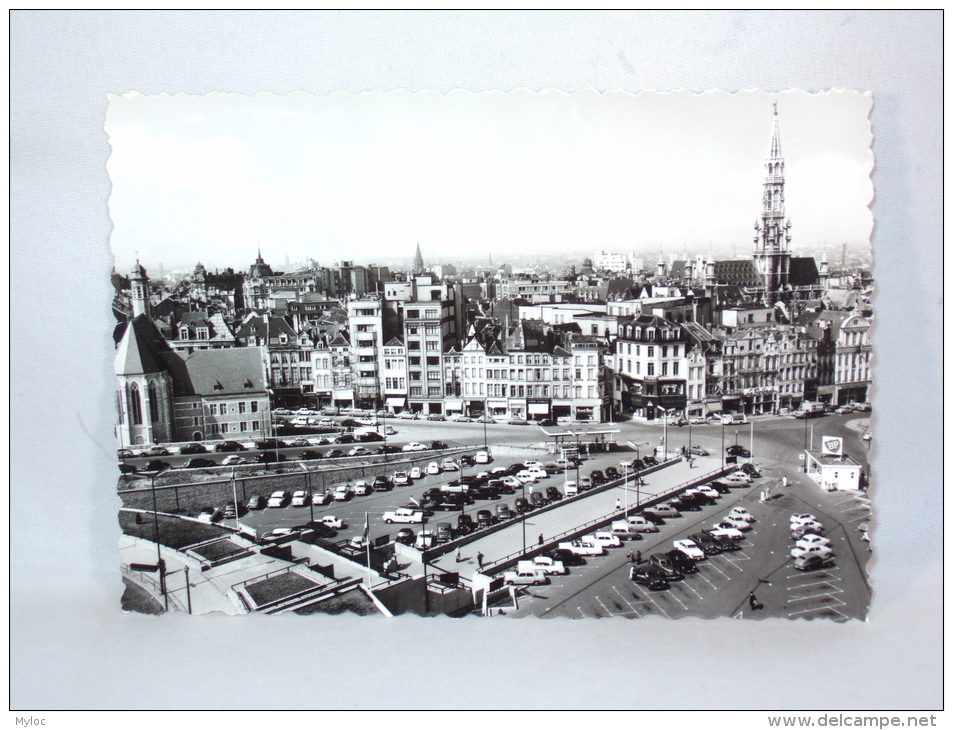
[{"x": 212, "y": 178}]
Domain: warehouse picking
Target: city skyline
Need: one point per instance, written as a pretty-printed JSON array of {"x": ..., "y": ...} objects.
[{"x": 207, "y": 178}]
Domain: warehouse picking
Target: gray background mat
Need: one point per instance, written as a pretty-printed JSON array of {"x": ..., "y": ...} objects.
[{"x": 71, "y": 647}]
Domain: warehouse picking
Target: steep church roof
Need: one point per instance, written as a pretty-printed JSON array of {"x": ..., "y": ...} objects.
[
  {"x": 141, "y": 348},
  {"x": 738, "y": 273},
  {"x": 227, "y": 371}
]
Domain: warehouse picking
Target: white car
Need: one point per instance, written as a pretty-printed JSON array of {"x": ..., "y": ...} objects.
[
  {"x": 525, "y": 578},
  {"x": 277, "y": 499},
  {"x": 233, "y": 460},
  {"x": 362, "y": 488},
  {"x": 570, "y": 488},
  {"x": 303, "y": 412},
  {"x": 541, "y": 562},
  {"x": 582, "y": 547},
  {"x": 333, "y": 522},
  {"x": 606, "y": 539},
  {"x": 433, "y": 468},
  {"x": 401, "y": 479},
  {"x": 530, "y": 464},
  {"x": 281, "y": 412},
  {"x": 802, "y": 517},
  {"x": 424, "y": 540},
  {"x": 367, "y": 421},
  {"x": 342, "y": 493},
  {"x": 511, "y": 481},
  {"x": 736, "y": 481},
  {"x": 449, "y": 465},
  {"x": 696, "y": 420},
  {"x": 414, "y": 446},
  {"x": 704, "y": 489},
  {"x": 689, "y": 548},
  {"x": 740, "y": 475},
  {"x": 525, "y": 476},
  {"x": 807, "y": 528},
  {"x": 325, "y": 422},
  {"x": 732, "y": 533},
  {"x": 390, "y": 431},
  {"x": 299, "y": 421},
  {"x": 664, "y": 510},
  {"x": 325, "y": 497},
  {"x": 812, "y": 539},
  {"x": 299, "y": 498},
  {"x": 742, "y": 514},
  {"x": 824, "y": 551},
  {"x": 735, "y": 522},
  {"x": 458, "y": 418},
  {"x": 404, "y": 515},
  {"x": 416, "y": 473},
  {"x": 482, "y": 457}
]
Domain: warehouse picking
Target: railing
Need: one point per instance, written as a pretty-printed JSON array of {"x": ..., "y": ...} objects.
[{"x": 152, "y": 586}]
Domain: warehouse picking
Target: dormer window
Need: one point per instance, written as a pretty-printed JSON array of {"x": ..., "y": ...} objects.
[
  {"x": 183, "y": 333},
  {"x": 218, "y": 386},
  {"x": 248, "y": 383}
]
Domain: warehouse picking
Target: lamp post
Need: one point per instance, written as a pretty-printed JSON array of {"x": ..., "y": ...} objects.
[
  {"x": 751, "y": 441},
  {"x": 625, "y": 486},
  {"x": 155, "y": 523},
  {"x": 722, "y": 443},
  {"x": 485, "y": 416}
]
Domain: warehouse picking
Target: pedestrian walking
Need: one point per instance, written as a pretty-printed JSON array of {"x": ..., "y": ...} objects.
[
  {"x": 540, "y": 540},
  {"x": 753, "y": 601},
  {"x": 458, "y": 555},
  {"x": 480, "y": 560},
  {"x": 618, "y": 504},
  {"x": 638, "y": 556},
  {"x": 630, "y": 556},
  {"x": 784, "y": 481}
]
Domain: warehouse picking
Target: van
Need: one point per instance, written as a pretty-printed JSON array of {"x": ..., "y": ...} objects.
[{"x": 734, "y": 419}]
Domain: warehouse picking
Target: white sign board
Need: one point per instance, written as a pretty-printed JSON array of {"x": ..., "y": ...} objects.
[{"x": 832, "y": 446}]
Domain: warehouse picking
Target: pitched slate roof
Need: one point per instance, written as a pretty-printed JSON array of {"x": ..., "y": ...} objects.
[
  {"x": 229, "y": 371},
  {"x": 803, "y": 271},
  {"x": 141, "y": 348},
  {"x": 742, "y": 272},
  {"x": 266, "y": 331}
]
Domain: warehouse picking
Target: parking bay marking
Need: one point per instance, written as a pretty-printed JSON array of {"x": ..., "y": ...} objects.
[
  {"x": 626, "y": 601},
  {"x": 708, "y": 564}
]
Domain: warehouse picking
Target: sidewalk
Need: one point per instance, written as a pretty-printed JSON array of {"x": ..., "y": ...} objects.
[{"x": 502, "y": 543}]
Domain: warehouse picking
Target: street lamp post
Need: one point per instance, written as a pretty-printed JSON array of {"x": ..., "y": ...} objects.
[
  {"x": 751, "y": 441},
  {"x": 723, "y": 444},
  {"x": 155, "y": 523},
  {"x": 625, "y": 487}
]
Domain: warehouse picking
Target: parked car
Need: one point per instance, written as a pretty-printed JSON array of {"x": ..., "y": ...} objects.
[
  {"x": 444, "y": 532},
  {"x": 270, "y": 457},
  {"x": 708, "y": 544},
  {"x": 813, "y": 562},
  {"x": 228, "y": 446},
  {"x": 553, "y": 494},
  {"x": 649, "y": 576},
  {"x": 449, "y": 465},
  {"x": 362, "y": 488},
  {"x": 728, "y": 521},
  {"x": 482, "y": 457},
  {"x": 809, "y": 528},
  {"x": 414, "y": 446},
  {"x": 381, "y": 483},
  {"x": 640, "y": 523},
  {"x": 737, "y": 450},
  {"x": 255, "y": 502},
  {"x": 465, "y": 524},
  {"x": 525, "y": 578},
  {"x": 699, "y": 451},
  {"x": 544, "y": 563},
  {"x": 425, "y": 540},
  {"x": 210, "y": 515},
  {"x": 731, "y": 533},
  {"x": 537, "y": 499},
  {"x": 438, "y": 445},
  {"x": 612, "y": 473},
  {"x": 698, "y": 420},
  {"x": 416, "y": 473},
  {"x": 812, "y": 539},
  {"x": 597, "y": 477},
  {"x": 825, "y": 551},
  {"x": 523, "y": 505},
  {"x": 484, "y": 518},
  {"x": 681, "y": 562},
  {"x": 299, "y": 498},
  {"x": 307, "y": 455},
  {"x": 741, "y": 513},
  {"x": 582, "y": 547},
  {"x": 459, "y": 418},
  {"x": 407, "y": 415},
  {"x": 664, "y": 563},
  {"x": 193, "y": 449},
  {"x": 157, "y": 465},
  {"x": 503, "y": 513},
  {"x": 404, "y": 515},
  {"x": 665, "y": 511},
  {"x": 405, "y": 536},
  {"x": 436, "y": 417},
  {"x": 604, "y": 538},
  {"x": 277, "y": 499},
  {"x": 342, "y": 493},
  {"x": 199, "y": 463},
  {"x": 333, "y": 522},
  {"x": 322, "y": 498},
  {"x": 433, "y": 468},
  {"x": 690, "y": 549}
]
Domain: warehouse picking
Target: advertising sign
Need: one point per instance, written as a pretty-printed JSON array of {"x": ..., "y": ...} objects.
[{"x": 832, "y": 446}]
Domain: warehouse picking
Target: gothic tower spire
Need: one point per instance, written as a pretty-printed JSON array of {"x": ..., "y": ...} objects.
[
  {"x": 772, "y": 239},
  {"x": 418, "y": 261}
]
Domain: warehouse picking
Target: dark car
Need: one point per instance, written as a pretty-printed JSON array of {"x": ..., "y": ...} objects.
[
  {"x": 612, "y": 473},
  {"x": 685, "y": 503},
  {"x": 736, "y": 450},
  {"x": 270, "y": 457},
  {"x": 553, "y": 468},
  {"x": 370, "y": 436},
  {"x": 708, "y": 545},
  {"x": 750, "y": 469},
  {"x": 444, "y": 532},
  {"x": 465, "y": 460},
  {"x": 438, "y": 445},
  {"x": 465, "y": 525},
  {"x": 546, "y": 422},
  {"x": 193, "y": 449},
  {"x": 270, "y": 444},
  {"x": 649, "y": 461},
  {"x": 229, "y": 511},
  {"x": 484, "y": 518},
  {"x": 720, "y": 487},
  {"x": 382, "y": 483},
  {"x": 597, "y": 477},
  {"x": 482, "y": 493},
  {"x": 449, "y": 501},
  {"x": 405, "y": 536},
  {"x": 229, "y": 446},
  {"x": 665, "y": 564},
  {"x": 334, "y": 453},
  {"x": 436, "y": 417},
  {"x": 310, "y": 454},
  {"x": 199, "y": 463},
  {"x": 681, "y": 562},
  {"x": 567, "y": 557},
  {"x": 156, "y": 465},
  {"x": 553, "y": 494},
  {"x": 349, "y": 423},
  {"x": 537, "y": 499},
  {"x": 652, "y": 517},
  {"x": 299, "y": 443},
  {"x": 344, "y": 438},
  {"x": 498, "y": 487},
  {"x": 255, "y": 502},
  {"x": 523, "y": 505},
  {"x": 503, "y": 512},
  {"x": 649, "y": 576},
  {"x": 725, "y": 543}
]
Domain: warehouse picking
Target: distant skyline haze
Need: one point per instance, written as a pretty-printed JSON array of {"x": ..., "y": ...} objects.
[{"x": 365, "y": 177}]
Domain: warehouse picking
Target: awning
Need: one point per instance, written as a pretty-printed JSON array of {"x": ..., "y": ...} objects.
[
  {"x": 538, "y": 408},
  {"x": 453, "y": 405},
  {"x": 497, "y": 404},
  {"x": 395, "y": 400}
]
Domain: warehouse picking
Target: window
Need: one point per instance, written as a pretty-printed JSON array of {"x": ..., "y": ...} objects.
[
  {"x": 153, "y": 404},
  {"x": 224, "y": 428},
  {"x": 651, "y": 351},
  {"x": 664, "y": 368},
  {"x": 135, "y": 406},
  {"x": 241, "y": 408},
  {"x": 651, "y": 369},
  {"x": 243, "y": 426},
  {"x": 416, "y": 390}
]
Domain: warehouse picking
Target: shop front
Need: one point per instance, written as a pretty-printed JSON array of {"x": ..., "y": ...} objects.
[
  {"x": 497, "y": 407},
  {"x": 538, "y": 409},
  {"x": 452, "y": 406}
]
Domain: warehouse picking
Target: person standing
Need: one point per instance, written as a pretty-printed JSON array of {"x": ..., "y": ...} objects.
[
  {"x": 618, "y": 504},
  {"x": 784, "y": 480},
  {"x": 638, "y": 556},
  {"x": 458, "y": 555},
  {"x": 540, "y": 540},
  {"x": 753, "y": 601},
  {"x": 480, "y": 560}
]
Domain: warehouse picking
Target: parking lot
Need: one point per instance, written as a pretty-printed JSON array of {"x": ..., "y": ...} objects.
[{"x": 602, "y": 588}]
